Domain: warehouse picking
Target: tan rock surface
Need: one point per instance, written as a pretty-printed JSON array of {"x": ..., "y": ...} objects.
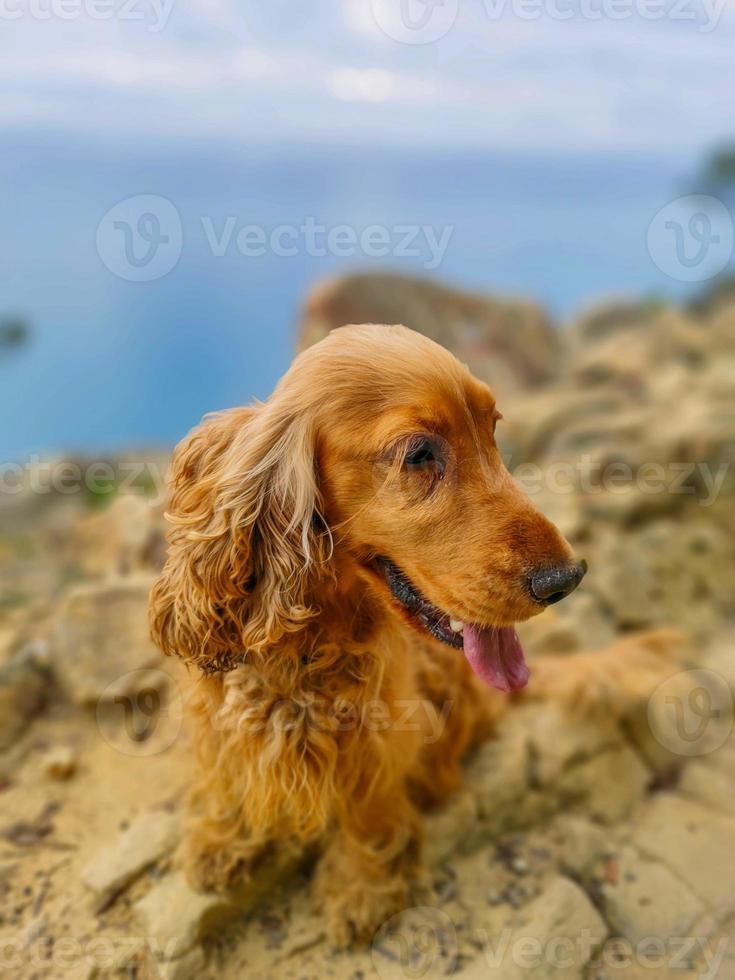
[{"x": 568, "y": 822}]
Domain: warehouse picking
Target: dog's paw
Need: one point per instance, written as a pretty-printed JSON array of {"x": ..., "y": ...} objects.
[
  {"x": 354, "y": 912},
  {"x": 220, "y": 868},
  {"x": 355, "y": 919}
]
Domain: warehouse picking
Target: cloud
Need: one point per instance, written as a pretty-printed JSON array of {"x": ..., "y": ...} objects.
[
  {"x": 271, "y": 73},
  {"x": 379, "y": 85}
]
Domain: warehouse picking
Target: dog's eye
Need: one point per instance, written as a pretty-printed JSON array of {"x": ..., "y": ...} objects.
[{"x": 420, "y": 454}]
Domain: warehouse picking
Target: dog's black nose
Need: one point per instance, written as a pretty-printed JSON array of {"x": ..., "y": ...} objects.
[{"x": 549, "y": 585}]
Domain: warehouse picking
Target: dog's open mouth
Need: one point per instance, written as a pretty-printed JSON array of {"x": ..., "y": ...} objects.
[{"x": 494, "y": 652}]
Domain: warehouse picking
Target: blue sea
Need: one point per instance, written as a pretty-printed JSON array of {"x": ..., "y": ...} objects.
[{"x": 116, "y": 364}]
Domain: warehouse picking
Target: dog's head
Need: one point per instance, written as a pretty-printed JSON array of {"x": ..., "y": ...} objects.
[{"x": 374, "y": 462}]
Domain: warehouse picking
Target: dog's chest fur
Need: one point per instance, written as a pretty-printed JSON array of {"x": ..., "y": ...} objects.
[{"x": 297, "y": 727}]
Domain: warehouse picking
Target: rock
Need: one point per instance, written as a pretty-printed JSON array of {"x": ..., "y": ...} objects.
[
  {"x": 646, "y": 900},
  {"x": 177, "y": 917},
  {"x": 546, "y": 758},
  {"x": 533, "y": 425},
  {"x": 100, "y": 636},
  {"x": 581, "y": 842},
  {"x": 642, "y": 729},
  {"x": 145, "y": 841},
  {"x": 719, "y": 658},
  {"x": 706, "y": 782},
  {"x": 625, "y": 361},
  {"x": 60, "y": 762},
  {"x": 450, "y": 827},
  {"x": 715, "y": 294},
  {"x": 497, "y": 776},
  {"x": 663, "y": 572},
  {"x": 23, "y": 692},
  {"x": 625, "y": 582},
  {"x": 190, "y": 966},
  {"x": 694, "y": 843},
  {"x": 702, "y": 427},
  {"x": 509, "y": 344},
  {"x": 559, "y": 740},
  {"x": 633, "y": 337},
  {"x": 303, "y": 934},
  {"x": 8, "y": 641},
  {"x": 124, "y": 958},
  {"x": 553, "y": 936},
  {"x": 578, "y": 624},
  {"x": 126, "y": 536},
  {"x": 608, "y": 785},
  {"x": 608, "y": 318}
]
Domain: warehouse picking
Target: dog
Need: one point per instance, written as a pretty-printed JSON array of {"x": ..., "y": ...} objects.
[{"x": 346, "y": 565}]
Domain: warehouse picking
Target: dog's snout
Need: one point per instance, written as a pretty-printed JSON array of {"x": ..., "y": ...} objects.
[{"x": 549, "y": 585}]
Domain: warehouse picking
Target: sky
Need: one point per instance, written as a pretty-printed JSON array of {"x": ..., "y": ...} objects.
[
  {"x": 556, "y": 76},
  {"x": 548, "y": 136}
]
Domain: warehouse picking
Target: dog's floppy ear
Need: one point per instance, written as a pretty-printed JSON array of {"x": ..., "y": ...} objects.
[{"x": 245, "y": 537}]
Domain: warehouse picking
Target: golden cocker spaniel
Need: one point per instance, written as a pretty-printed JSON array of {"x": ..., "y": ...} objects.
[{"x": 347, "y": 562}]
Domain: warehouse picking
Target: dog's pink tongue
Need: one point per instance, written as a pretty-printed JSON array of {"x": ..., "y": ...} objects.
[{"x": 496, "y": 656}]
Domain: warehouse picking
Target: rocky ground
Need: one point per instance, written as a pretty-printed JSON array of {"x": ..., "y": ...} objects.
[{"x": 582, "y": 846}]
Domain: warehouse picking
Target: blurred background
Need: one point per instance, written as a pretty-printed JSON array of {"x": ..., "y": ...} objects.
[
  {"x": 195, "y": 189},
  {"x": 542, "y": 140}
]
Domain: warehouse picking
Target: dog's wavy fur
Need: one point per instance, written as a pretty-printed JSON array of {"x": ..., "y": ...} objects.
[{"x": 311, "y": 694}]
